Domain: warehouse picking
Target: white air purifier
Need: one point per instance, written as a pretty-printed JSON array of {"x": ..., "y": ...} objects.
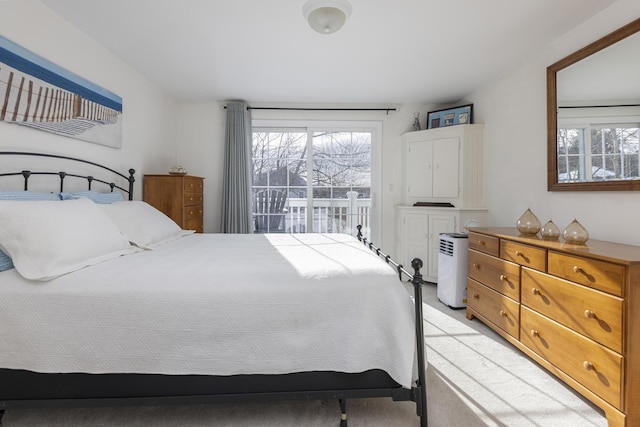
[{"x": 452, "y": 269}]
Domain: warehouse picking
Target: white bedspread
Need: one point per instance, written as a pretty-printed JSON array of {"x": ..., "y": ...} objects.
[{"x": 216, "y": 304}]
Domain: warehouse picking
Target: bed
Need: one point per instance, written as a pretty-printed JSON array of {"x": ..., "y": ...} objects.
[{"x": 116, "y": 305}]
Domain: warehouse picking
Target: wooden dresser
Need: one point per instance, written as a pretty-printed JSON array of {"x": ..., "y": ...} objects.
[
  {"x": 575, "y": 309},
  {"x": 180, "y": 197}
]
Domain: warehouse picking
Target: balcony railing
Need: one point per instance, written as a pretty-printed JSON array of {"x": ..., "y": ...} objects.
[{"x": 327, "y": 216}]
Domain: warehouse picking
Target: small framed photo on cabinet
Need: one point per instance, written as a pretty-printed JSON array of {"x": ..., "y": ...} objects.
[{"x": 450, "y": 117}]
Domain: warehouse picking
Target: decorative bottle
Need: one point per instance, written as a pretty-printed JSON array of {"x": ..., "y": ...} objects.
[{"x": 416, "y": 121}]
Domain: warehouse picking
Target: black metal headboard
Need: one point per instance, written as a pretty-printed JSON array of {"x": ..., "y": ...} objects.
[{"x": 62, "y": 174}]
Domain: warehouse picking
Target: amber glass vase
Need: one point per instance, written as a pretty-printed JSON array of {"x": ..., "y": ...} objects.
[
  {"x": 550, "y": 231},
  {"x": 528, "y": 223},
  {"x": 575, "y": 233}
]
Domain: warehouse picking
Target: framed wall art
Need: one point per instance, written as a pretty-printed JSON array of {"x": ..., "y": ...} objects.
[
  {"x": 462, "y": 115},
  {"x": 37, "y": 93}
]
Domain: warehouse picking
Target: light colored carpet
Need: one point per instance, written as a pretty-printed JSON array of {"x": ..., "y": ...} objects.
[{"x": 474, "y": 378}]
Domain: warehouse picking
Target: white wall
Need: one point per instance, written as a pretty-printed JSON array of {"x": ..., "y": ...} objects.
[
  {"x": 149, "y": 113},
  {"x": 201, "y": 130},
  {"x": 513, "y": 110}
]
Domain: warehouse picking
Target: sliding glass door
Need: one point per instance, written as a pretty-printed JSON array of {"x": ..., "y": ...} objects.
[{"x": 312, "y": 180}]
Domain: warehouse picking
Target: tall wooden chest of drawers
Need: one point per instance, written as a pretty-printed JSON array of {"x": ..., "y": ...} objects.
[
  {"x": 574, "y": 309},
  {"x": 180, "y": 197}
]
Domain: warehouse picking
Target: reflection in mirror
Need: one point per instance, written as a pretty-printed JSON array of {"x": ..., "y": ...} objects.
[{"x": 594, "y": 115}]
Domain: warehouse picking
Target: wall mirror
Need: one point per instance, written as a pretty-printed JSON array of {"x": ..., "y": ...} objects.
[{"x": 593, "y": 115}]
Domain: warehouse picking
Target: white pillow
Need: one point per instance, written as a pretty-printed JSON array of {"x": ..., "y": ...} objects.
[
  {"x": 46, "y": 239},
  {"x": 144, "y": 225}
]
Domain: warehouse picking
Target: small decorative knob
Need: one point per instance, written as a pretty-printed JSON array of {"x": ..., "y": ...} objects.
[
  {"x": 534, "y": 333},
  {"x": 588, "y": 365},
  {"x": 535, "y": 291},
  {"x": 503, "y": 313},
  {"x": 476, "y": 296},
  {"x": 577, "y": 269},
  {"x": 481, "y": 242},
  {"x": 476, "y": 266},
  {"x": 518, "y": 253},
  {"x": 589, "y": 314},
  {"x": 503, "y": 277}
]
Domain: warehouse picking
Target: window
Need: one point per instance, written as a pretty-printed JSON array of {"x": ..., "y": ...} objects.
[{"x": 312, "y": 179}]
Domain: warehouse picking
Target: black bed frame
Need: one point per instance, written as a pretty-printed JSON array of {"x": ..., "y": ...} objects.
[{"x": 25, "y": 389}]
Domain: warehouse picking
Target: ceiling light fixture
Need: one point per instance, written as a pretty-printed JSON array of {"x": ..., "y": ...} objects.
[{"x": 326, "y": 16}]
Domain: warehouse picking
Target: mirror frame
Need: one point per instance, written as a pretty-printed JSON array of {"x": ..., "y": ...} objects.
[{"x": 552, "y": 118}]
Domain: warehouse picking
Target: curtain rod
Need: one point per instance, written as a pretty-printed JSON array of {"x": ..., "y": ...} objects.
[
  {"x": 599, "y": 106},
  {"x": 320, "y": 109}
]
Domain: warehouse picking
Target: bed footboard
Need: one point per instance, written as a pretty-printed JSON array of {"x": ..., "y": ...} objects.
[{"x": 419, "y": 392}]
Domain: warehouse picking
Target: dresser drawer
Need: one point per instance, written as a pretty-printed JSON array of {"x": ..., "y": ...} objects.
[
  {"x": 191, "y": 199},
  {"x": 194, "y": 224},
  {"x": 592, "y": 313},
  {"x": 500, "y": 310},
  {"x": 606, "y": 276},
  {"x": 591, "y": 364},
  {"x": 483, "y": 243},
  {"x": 522, "y": 254},
  {"x": 193, "y": 184},
  {"x": 498, "y": 274},
  {"x": 191, "y": 212}
]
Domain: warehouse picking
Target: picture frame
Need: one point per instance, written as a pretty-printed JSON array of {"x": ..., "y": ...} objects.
[
  {"x": 462, "y": 115},
  {"x": 41, "y": 95}
]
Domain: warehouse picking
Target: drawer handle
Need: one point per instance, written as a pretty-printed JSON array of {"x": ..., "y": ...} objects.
[
  {"x": 190, "y": 212},
  {"x": 476, "y": 296},
  {"x": 588, "y": 365},
  {"x": 534, "y": 333},
  {"x": 518, "y": 253},
  {"x": 481, "y": 242},
  {"x": 476, "y": 266},
  {"x": 503, "y": 277},
  {"x": 535, "y": 291},
  {"x": 589, "y": 314},
  {"x": 577, "y": 269},
  {"x": 503, "y": 313}
]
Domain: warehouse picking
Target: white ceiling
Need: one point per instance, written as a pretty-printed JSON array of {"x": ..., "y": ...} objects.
[{"x": 389, "y": 51}]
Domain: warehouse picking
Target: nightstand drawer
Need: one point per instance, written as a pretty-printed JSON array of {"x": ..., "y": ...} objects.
[
  {"x": 601, "y": 275},
  {"x": 500, "y": 310},
  {"x": 593, "y": 313},
  {"x": 522, "y": 254},
  {"x": 487, "y": 244},
  {"x": 498, "y": 274},
  {"x": 591, "y": 364}
]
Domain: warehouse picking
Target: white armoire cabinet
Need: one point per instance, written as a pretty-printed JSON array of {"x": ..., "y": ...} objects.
[{"x": 440, "y": 166}]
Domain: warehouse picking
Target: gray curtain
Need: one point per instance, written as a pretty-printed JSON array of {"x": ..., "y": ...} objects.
[{"x": 236, "y": 192}]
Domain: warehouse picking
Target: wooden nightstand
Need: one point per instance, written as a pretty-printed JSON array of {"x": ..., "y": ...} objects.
[{"x": 180, "y": 197}]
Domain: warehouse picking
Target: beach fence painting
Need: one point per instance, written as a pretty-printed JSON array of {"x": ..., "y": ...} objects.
[{"x": 36, "y": 93}]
